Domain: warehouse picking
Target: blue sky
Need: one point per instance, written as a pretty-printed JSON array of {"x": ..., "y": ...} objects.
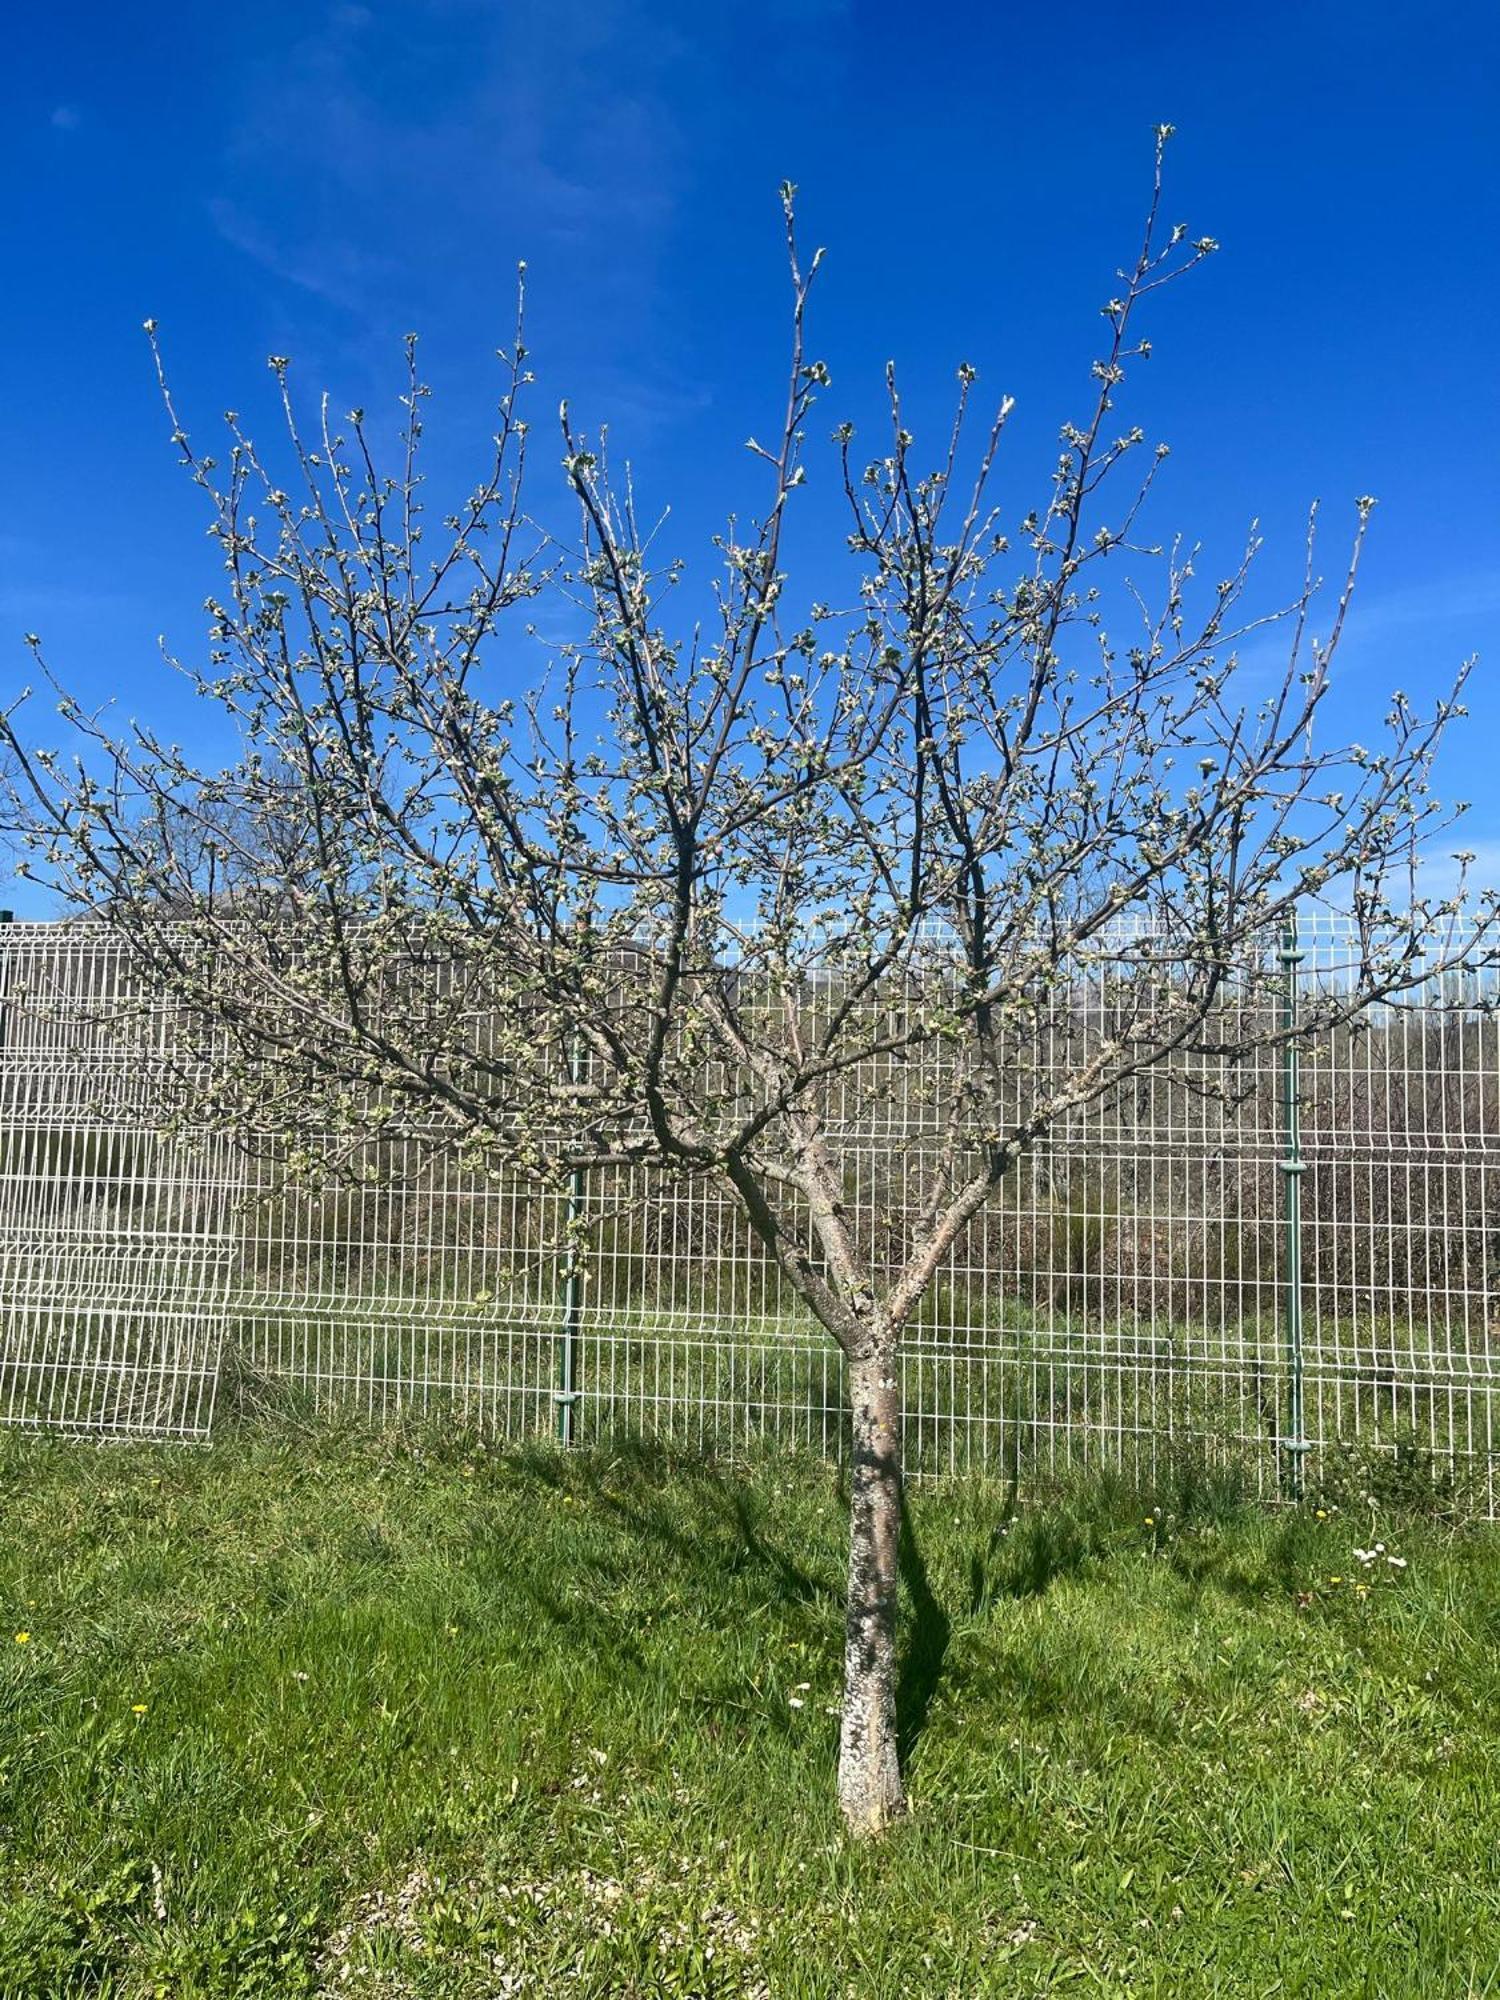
[{"x": 316, "y": 179}]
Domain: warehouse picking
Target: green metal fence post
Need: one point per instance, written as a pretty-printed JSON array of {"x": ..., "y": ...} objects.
[
  {"x": 566, "y": 1394},
  {"x": 1294, "y": 1443}
]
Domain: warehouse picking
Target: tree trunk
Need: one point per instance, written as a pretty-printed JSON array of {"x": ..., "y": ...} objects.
[{"x": 870, "y": 1790}]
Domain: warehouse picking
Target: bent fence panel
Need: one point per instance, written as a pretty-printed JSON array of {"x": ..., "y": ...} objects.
[{"x": 1125, "y": 1297}]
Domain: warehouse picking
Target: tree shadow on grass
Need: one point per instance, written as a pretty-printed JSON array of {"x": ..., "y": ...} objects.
[
  {"x": 981, "y": 1589},
  {"x": 621, "y": 1494},
  {"x": 926, "y": 1651},
  {"x": 795, "y": 1582},
  {"x": 731, "y": 1503}
]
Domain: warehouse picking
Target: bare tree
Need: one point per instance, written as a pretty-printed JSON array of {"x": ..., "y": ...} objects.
[{"x": 700, "y": 885}]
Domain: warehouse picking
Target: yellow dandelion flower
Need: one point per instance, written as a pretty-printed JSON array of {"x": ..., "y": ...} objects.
[
  {"x": 23, "y": 1638},
  {"x": 137, "y": 1708},
  {"x": 1322, "y": 1513}
]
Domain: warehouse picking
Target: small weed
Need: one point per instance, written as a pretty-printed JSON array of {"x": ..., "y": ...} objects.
[{"x": 1394, "y": 1469}]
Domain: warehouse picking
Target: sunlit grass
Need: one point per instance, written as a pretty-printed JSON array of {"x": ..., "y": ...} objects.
[{"x": 374, "y": 1712}]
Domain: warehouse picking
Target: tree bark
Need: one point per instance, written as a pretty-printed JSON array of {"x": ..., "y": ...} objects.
[{"x": 870, "y": 1790}]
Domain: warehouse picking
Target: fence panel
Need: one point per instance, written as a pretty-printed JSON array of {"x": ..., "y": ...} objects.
[
  {"x": 1125, "y": 1296},
  {"x": 117, "y": 1242}
]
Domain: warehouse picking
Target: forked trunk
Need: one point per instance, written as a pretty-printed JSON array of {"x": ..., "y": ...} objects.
[{"x": 870, "y": 1790}]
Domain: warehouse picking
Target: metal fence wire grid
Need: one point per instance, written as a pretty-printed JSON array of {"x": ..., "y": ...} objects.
[{"x": 1308, "y": 1260}]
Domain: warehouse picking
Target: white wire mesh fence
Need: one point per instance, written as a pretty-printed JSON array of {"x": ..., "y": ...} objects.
[
  {"x": 1136, "y": 1289},
  {"x": 117, "y": 1245}
]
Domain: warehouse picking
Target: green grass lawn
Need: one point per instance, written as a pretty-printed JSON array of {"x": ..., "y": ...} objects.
[{"x": 373, "y": 1713}]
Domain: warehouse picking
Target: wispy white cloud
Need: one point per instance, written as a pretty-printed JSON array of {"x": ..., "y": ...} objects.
[
  {"x": 388, "y": 155},
  {"x": 329, "y": 267},
  {"x": 1471, "y": 596},
  {"x": 1448, "y": 619},
  {"x": 1440, "y": 871}
]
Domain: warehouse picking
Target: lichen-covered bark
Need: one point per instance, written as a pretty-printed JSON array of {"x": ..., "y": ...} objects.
[{"x": 870, "y": 1790}]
